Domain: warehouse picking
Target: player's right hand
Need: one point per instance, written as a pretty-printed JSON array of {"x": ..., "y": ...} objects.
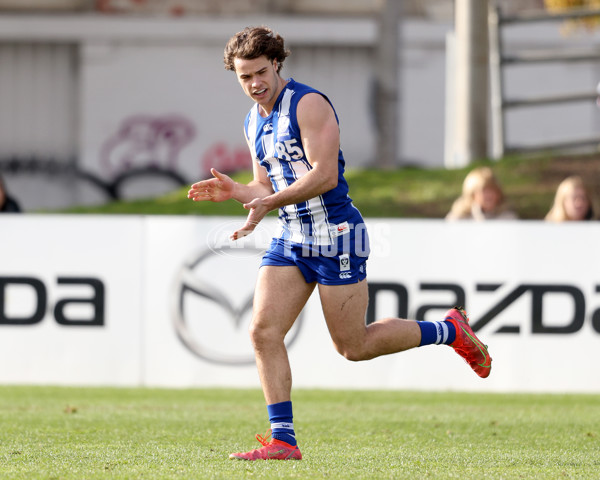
[{"x": 217, "y": 189}]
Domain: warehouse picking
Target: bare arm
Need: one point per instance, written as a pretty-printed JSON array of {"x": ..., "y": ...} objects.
[{"x": 221, "y": 187}]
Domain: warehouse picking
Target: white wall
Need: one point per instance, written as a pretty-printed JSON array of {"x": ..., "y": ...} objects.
[
  {"x": 163, "y": 74},
  {"x": 143, "y": 83},
  {"x": 175, "y": 315}
]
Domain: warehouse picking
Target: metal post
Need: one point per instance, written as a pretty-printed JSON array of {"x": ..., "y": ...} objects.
[
  {"x": 471, "y": 80},
  {"x": 450, "y": 103},
  {"x": 496, "y": 84},
  {"x": 387, "y": 54}
]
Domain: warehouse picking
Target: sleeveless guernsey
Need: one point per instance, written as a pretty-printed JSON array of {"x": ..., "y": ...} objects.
[{"x": 276, "y": 144}]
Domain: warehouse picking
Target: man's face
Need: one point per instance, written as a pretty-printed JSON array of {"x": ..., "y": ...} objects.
[{"x": 259, "y": 80}]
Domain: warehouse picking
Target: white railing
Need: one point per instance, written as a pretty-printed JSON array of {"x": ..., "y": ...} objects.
[{"x": 499, "y": 60}]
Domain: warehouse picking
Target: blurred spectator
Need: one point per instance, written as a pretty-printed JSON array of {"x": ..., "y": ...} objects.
[
  {"x": 7, "y": 203},
  {"x": 572, "y": 202},
  {"x": 482, "y": 198}
]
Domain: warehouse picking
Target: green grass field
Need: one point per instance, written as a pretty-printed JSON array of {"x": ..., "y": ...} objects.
[{"x": 88, "y": 433}]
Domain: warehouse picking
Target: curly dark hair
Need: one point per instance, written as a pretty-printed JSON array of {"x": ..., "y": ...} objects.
[{"x": 253, "y": 42}]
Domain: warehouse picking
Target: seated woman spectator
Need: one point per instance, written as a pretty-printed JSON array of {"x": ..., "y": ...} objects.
[
  {"x": 7, "y": 203},
  {"x": 572, "y": 202},
  {"x": 482, "y": 198}
]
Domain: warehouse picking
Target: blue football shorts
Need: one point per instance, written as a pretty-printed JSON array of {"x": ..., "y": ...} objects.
[{"x": 342, "y": 263}]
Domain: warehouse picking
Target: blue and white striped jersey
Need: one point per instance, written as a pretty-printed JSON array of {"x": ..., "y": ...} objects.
[{"x": 276, "y": 144}]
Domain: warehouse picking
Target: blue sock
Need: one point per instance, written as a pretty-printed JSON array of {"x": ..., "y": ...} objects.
[
  {"x": 434, "y": 333},
  {"x": 282, "y": 425}
]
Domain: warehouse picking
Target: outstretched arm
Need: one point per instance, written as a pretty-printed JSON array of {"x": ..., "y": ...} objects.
[{"x": 221, "y": 187}]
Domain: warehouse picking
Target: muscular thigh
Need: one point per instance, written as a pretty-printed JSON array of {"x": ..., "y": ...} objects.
[
  {"x": 344, "y": 308},
  {"x": 281, "y": 293}
]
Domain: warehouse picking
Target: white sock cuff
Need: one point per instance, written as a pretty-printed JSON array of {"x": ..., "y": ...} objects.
[
  {"x": 442, "y": 332},
  {"x": 286, "y": 425}
]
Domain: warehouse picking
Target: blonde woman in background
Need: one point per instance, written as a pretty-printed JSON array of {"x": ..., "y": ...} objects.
[
  {"x": 482, "y": 198},
  {"x": 572, "y": 202}
]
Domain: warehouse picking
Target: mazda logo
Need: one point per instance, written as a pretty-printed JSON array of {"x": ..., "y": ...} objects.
[{"x": 212, "y": 304}]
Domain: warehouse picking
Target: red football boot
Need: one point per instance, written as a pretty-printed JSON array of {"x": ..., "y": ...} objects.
[
  {"x": 467, "y": 345},
  {"x": 270, "y": 450}
]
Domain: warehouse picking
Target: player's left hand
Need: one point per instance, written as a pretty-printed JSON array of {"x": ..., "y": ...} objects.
[{"x": 258, "y": 211}]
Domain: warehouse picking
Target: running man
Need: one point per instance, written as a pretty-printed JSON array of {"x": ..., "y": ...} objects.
[{"x": 293, "y": 135}]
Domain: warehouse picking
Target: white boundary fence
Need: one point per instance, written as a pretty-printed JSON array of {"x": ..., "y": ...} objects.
[{"x": 164, "y": 301}]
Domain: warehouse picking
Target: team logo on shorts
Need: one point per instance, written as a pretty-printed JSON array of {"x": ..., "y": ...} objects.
[{"x": 344, "y": 262}]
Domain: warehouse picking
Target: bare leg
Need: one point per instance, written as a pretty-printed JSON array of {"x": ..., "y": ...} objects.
[
  {"x": 344, "y": 307},
  {"x": 280, "y": 295}
]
